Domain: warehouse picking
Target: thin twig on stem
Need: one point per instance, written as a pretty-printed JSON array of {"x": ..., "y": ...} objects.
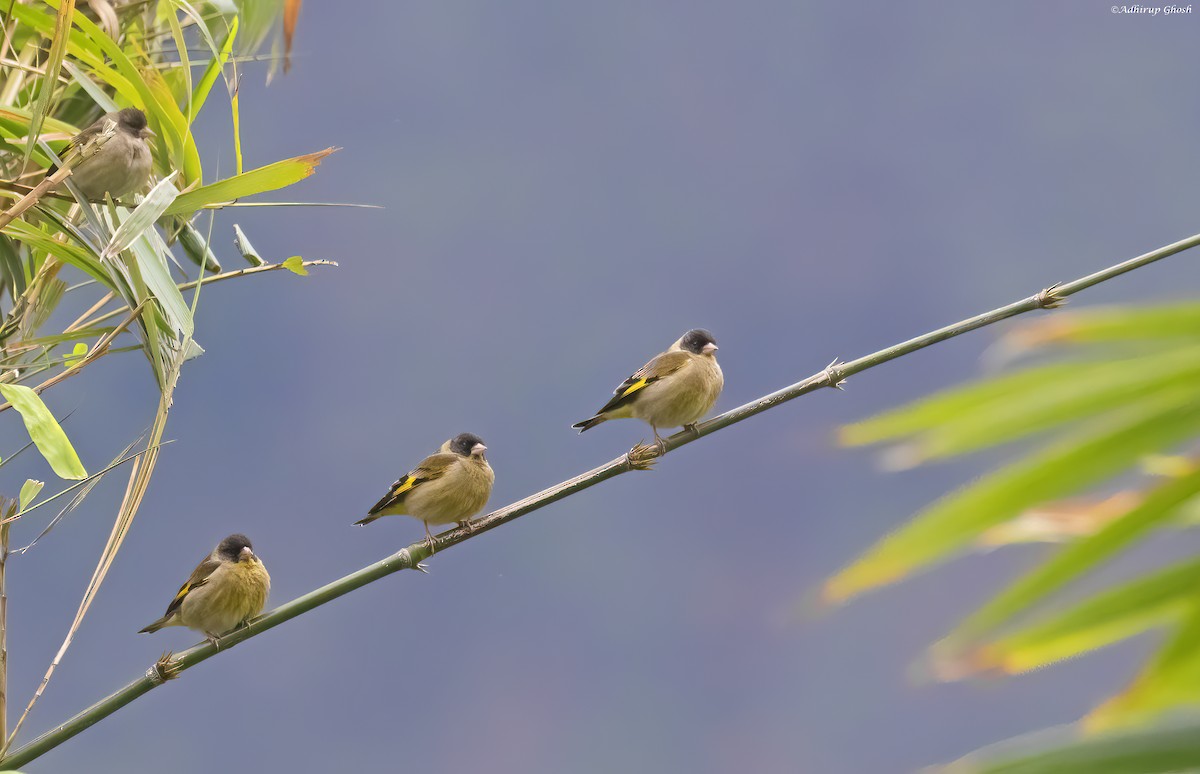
[
  {"x": 204, "y": 281},
  {"x": 95, "y": 353},
  {"x": 4, "y": 528}
]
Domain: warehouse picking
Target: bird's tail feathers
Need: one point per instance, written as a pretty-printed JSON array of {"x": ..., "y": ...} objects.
[
  {"x": 588, "y": 424},
  {"x": 160, "y": 623}
]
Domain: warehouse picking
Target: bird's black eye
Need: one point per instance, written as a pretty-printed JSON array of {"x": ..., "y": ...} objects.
[{"x": 464, "y": 443}]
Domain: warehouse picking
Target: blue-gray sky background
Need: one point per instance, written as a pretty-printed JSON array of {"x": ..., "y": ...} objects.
[{"x": 567, "y": 188}]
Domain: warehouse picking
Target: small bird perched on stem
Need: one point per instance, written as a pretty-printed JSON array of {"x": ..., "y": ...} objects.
[
  {"x": 450, "y": 486},
  {"x": 122, "y": 165},
  {"x": 675, "y": 388},
  {"x": 227, "y": 588}
]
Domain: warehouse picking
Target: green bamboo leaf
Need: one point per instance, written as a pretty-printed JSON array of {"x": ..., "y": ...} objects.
[
  {"x": 75, "y": 255},
  {"x": 45, "y": 431},
  {"x": 1159, "y": 505},
  {"x": 79, "y": 352},
  {"x": 975, "y": 396},
  {"x": 1113, "y": 615},
  {"x": 185, "y": 156},
  {"x": 29, "y": 490},
  {"x": 1108, "y": 386},
  {"x": 58, "y": 49},
  {"x": 295, "y": 264},
  {"x": 61, "y": 338},
  {"x": 126, "y": 277},
  {"x": 214, "y": 68},
  {"x": 260, "y": 18},
  {"x": 152, "y": 265},
  {"x": 1111, "y": 324},
  {"x": 235, "y": 112},
  {"x": 268, "y": 178},
  {"x": 155, "y": 347},
  {"x": 81, "y": 48},
  {"x": 197, "y": 248},
  {"x": 150, "y": 259},
  {"x": 185, "y": 62},
  {"x": 1168, "y": 748},
  {"x": 201, "y": 25},
  {"x": 1171, "y": 680},
  {"x": 143, "y": 217},
  {"x": 1082, "y": 458},
  {"x": 12, "y": 268},
  {"x": 245, "y": 248},
  {"x": 98, "y": 95},
  {"x": 21, "y": 119}
]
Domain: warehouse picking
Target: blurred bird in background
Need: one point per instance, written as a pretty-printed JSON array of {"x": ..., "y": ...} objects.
[{"x": 123, "y": 163}]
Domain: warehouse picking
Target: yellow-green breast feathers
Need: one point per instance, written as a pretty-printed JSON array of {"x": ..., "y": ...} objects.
[{"x": 228, "y": 587}]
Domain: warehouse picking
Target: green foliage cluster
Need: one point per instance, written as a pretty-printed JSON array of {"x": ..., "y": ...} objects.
[
  {"x": 137, "y": 265},
  {"x": 1108, "y": 415}
]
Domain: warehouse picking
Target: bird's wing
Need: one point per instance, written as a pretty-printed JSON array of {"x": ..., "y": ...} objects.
[
  {"x": 200, "y": 576},
  {"x": 431, "y": 468},
  {"x": 84, "y": 137},
  {"x": 663, "y": 365}
]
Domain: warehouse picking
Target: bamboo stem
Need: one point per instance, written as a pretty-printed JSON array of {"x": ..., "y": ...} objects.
[{"x": 4, "y": 528}]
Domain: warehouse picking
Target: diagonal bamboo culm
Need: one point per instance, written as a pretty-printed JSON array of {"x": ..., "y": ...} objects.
[{"x": 638, "y": 458}]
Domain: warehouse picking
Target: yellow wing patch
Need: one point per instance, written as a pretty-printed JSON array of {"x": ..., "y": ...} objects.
[
  {"x": 631, "y": 389},
  {"x": 403, "y": 485},
  {"x": 183, "y": 592}
]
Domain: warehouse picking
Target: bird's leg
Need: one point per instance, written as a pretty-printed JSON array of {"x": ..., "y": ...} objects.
[
  {"x": 429, "y": 538},
  {"x": 659, "y": 442},
  {"x": 213, "y": 639},
  {"x": 468, "y": 525},
  {"x": 692, "y": 429}
]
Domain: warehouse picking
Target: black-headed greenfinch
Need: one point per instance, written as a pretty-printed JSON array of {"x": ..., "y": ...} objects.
[
  {"x": 674, "y": 389},
  {"x": 227, "y": 588},
  {"x": 450, "y": 486}
]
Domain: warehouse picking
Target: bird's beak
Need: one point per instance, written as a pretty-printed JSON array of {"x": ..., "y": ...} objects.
[
  {"x": 148, "y": 132},
  {"x": 477, "y": 450},
  {"x": 709, "y": 348},
  {"x": 245, "y": 555}
]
